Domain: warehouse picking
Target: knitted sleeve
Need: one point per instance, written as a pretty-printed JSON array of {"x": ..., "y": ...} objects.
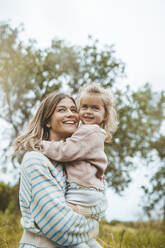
[
  {"x": 87, "y": 143},
  {"x": 43, "y": 199}
]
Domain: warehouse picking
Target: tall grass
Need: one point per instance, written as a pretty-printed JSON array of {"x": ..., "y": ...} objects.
[
  {"x": 133, "y": 235},
  {"x": 114, "y": 235}
]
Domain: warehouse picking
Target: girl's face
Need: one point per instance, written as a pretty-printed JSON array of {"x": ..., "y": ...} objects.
[
  {"x": 92, "y": 110},
  {"x": 64, "y": 121}
]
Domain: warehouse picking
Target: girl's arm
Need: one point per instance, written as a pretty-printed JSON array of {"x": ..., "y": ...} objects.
[{"x": 87, "y": 143}]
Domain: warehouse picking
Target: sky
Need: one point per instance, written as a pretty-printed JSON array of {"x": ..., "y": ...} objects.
[{"x": 135, "y": 27}]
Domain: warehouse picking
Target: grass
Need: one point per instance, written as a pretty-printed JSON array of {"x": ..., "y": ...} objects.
[
  {"x": 114, "y": 235},
  {"x": 132, "y": 235}
]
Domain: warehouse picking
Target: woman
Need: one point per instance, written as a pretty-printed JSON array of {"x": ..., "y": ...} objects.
[{"x": 46, "y": 219}]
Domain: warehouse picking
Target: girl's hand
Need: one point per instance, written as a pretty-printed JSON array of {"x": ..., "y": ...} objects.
[{"x": 100, "y": 175}]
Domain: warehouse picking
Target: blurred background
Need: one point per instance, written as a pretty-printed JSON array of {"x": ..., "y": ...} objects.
[{"x": 51, "y": 45}]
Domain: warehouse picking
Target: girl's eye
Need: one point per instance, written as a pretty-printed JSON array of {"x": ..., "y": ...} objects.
[
  {"x": 96, "y": 107},
  {"x": 84, "y": 107}
]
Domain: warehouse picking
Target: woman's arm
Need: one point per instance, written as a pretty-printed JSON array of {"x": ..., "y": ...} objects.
[
  {"x": 48, "y": 208},
  {"x": 87, "y": 143}
]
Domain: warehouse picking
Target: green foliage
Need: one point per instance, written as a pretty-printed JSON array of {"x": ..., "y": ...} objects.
[
  {"x": 13, "y": 206},
  {"x": 158, "y": 145},
  {"x": 5, "y": 195},
  {"x": 10, "y": 230},
  {"x": 96, "y": 64},
  {"x": 9, "y": 198},
  {"x": 155, "y": 194}
]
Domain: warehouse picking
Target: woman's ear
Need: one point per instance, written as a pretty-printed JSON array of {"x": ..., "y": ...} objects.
[{"x": 48, "y": 125}]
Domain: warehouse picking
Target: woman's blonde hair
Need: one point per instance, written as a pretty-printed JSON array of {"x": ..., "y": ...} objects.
[
  {"x": 37, "y": 129},
  {"x": 110, "y": 123}
]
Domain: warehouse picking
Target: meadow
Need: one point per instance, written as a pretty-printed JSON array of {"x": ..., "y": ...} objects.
[{"x": 113, "y": 235}]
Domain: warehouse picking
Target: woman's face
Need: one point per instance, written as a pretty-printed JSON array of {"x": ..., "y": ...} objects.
[{"x": 64, "y": 121}]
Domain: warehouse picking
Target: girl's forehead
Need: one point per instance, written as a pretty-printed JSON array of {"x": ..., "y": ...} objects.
[{"x": 91, "y": 98}]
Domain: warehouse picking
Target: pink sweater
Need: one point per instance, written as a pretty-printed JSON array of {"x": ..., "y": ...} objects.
[{"x": 83, "y": 154}]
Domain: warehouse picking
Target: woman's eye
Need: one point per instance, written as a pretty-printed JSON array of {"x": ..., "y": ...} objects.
[
  {"x": 74, "y": 110},
  {"x": 61, "y": 110},
  {"x": 84, "y": 107}
]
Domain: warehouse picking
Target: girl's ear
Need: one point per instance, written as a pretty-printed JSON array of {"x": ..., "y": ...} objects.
[{"x": 105, "y": 116}]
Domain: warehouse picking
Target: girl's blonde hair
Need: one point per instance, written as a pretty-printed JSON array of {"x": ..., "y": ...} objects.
[
  {"x": 110, "y": 123},
  {"x": 37, "y": 129}
]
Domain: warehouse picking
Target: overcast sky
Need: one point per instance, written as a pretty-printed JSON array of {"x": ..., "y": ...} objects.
[{"x": 135, "y": 27}]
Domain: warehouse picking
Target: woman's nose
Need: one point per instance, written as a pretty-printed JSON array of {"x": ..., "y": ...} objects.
[{"x": 70, "y": 112}]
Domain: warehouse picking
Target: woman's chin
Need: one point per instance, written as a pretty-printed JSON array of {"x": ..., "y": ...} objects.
[{"x": 70, "y": 130}]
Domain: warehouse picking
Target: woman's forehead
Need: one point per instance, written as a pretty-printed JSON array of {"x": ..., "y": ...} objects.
[{"x": 67, "y": 102}]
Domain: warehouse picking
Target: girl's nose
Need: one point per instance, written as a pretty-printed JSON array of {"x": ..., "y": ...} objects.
[{"x": 89, "y": 110}]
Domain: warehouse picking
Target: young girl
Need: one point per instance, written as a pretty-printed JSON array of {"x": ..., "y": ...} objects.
[{"x": 83, "y": 152}]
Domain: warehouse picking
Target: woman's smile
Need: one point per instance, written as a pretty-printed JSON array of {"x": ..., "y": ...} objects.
[{"x": 70, "y": 122}]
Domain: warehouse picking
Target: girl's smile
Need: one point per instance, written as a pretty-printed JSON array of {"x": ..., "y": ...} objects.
[{"x": 92, "y": 110}]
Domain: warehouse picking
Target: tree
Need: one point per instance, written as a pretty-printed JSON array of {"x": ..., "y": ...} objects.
[
  {"x": 141, "y": 116},
  {"x": 28, "y": 73},
  {"x": 155, "y": 192}
]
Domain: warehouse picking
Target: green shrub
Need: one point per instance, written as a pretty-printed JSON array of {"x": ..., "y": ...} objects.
[
  {"x": 5, "y": 194},
  {"x": 10, "y": 230},
  {"x": 9, "y": 198}
]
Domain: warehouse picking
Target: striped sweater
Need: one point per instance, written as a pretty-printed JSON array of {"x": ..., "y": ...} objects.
[{"x": 43, "y": 207}]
